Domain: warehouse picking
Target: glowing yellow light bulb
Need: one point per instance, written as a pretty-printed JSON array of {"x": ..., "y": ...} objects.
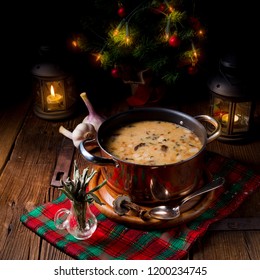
[
  {"x": 127, "y": 40},
  {"x": 170, "y": 9},
  {"x": 116, "y": 32},
  {"x": 98, "y": 57},
  {"x": 200, "y": 33}
]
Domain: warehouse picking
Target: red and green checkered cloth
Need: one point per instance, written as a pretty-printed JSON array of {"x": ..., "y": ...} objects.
[{"x": 115, "y": 241}]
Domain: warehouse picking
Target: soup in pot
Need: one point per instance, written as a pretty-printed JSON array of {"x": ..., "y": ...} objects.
[{"x": 152, "y": 143}]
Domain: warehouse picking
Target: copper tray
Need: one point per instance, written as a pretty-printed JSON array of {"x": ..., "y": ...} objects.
[{"x": 189, "y": 211}]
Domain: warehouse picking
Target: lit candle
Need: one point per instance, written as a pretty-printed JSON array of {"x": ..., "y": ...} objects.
[
  {"x": 225, "y": 118},
  {"x": 54, "y": 98}
]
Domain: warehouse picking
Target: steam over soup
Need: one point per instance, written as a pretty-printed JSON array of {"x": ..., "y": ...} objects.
[{"x": 152, "y": 143}]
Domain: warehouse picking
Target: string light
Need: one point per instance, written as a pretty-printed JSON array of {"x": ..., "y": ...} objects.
[
  {"x": 194, "y": 58},
  {"x": 98, "y": 56},
  {"x": 74, "y": 43},
  {"x": 171, "y": 9},
  {"x": 128, "y": 18},
  {"x": 127, "y": 39},
  {"x": 167, "y": 28},
  {"x": 116, "y": 31},
  {"x": 122, "y": 35},
  {"x": 168, "y": 6},
  {"x": 200, "y": 33}
]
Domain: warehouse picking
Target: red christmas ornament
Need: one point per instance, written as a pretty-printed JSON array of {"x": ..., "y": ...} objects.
[
  {"x": 115, "y": 73},
  {"x": 160, "y": 9},
  {"x": 140, "y": 97},
  {"x": 195, "y": 23},
  {"x": 192, "y": 70},
  {"x": 121, "y": 11},
  {"x": 174, "y": 41}
]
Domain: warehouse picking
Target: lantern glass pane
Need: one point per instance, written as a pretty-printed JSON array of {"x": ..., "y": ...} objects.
[
  {"x": 69, "y": 85},
  {"x": 233, "y": 116},
  {"x": 220, "y": 108},
  {"x": 242, "y": 114}
]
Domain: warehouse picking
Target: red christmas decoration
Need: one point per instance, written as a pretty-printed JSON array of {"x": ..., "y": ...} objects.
[
  {"x": 121, "y": 11},
  {"x": 174, "y": 41},
  {"x": 160, "y": 9},
  {"x": 195, "y": 23},
  {"x": 192, "y": 70},
  {"x": 115, "y": 73},
  {"x": 140, "y": 97},
  {"x": 146, "y": 94}
]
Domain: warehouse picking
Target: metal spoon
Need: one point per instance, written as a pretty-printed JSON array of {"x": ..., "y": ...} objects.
[{"x": 165, "y": 212}]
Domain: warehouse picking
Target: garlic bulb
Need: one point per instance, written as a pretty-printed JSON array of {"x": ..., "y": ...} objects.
[
  {"x": 92, "y": 118},
  {"x": 88, "y": 128},
  {"x": 82, "y": 131}
]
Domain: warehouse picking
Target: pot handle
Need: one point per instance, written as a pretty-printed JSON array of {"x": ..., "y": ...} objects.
[
  {"x": 214, "y": 133},
  {"x": 93, "y": 158}
]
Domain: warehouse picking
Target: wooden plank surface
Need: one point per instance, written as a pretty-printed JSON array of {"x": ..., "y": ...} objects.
[
  {"x": 25, "y": 184},
  {"x": 11, "y": 120},
  {"x": 239, "y": 245},
  {"x": 31, "y": 147}
]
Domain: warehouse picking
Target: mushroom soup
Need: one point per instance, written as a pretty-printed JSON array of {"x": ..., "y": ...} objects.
[{"x": 152, "y": 143}]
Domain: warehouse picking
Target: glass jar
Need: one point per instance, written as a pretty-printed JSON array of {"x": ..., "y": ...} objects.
[{"x": 79, "y": 220}]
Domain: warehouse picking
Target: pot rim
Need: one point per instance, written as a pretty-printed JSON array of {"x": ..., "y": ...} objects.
[{"x": 153, "y": 109}]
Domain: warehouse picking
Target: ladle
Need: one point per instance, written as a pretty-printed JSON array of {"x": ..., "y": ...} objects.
[{"x": 166, "y": 212}]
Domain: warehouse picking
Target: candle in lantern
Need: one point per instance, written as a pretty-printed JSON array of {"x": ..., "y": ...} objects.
[
  {"x": 225, "y": 118},
  {"x": 54, "y": 98}
]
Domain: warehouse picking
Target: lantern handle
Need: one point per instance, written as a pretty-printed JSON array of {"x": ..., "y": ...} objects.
[
  {"x": 223, "y": 74},
  {"x": 215, "y": 133}
]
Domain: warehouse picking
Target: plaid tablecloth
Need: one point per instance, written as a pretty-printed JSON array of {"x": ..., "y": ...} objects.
[{"x": 115, "y": 241}]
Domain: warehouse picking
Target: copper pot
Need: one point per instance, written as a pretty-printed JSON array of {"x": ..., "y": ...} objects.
[{"x": 147, "y": 184}]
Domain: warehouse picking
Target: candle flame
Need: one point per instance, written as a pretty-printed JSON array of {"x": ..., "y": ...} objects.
[
  {"x": 225, "y": 118},
  {"x": 52, "y": 91}
]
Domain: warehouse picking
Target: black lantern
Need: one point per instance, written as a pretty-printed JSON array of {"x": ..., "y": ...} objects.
[
  {"x": 231, "y": 102},
  {"x": 53, "y": 90}
]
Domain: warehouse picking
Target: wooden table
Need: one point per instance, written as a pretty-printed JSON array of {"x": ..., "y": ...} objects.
[{"x": 29, "y": 147}]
